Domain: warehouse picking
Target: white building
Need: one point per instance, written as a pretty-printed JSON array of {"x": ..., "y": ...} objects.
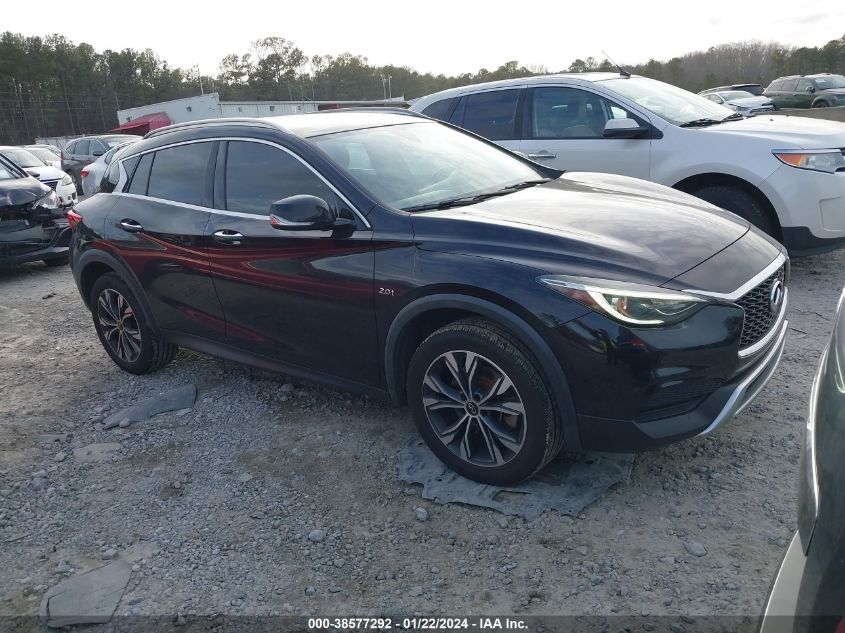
[{"x": 209, "y": 106}]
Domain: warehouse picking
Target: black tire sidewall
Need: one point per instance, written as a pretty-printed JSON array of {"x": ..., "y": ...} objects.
[
  {"x": 740, "y": 203},
  {"x": 144, "y": 362},
  {"x": 539, "y": 412}
]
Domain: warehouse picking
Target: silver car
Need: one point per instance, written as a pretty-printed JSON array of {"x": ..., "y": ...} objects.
[
  {"x": 92, "y": 173},
  {"x": 742, "y": 102}
]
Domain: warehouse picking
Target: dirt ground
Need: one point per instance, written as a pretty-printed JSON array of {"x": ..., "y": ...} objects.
[{"x": 272, "y": 497}]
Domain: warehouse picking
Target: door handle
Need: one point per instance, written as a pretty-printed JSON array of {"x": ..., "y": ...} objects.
[
  {"x": 542, "y": 156},
  {"x": 227, "y": 236},
  {"x": 130, "y": 226}
]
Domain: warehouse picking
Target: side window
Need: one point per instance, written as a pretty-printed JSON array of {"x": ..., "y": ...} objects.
[
  {"x": 68, "y": 148},
  {"x": 178, "y": 173},
  {"x": 492, "y": 114},
  {"x": 81, "y": 147},
  {"x": 803, "y": 84},
  {"x": 439, "y": 109},
  {"x": 96, "y": 147},
  {"x": 571, "y": 113},
  {"x": 790, "y": 85},
  {"x": 142, "y": 176},
  {"x": 257, "y": 175},
  {"x": 110, "y": 178}
]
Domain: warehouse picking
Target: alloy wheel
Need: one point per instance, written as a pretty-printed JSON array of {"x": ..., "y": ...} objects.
[
  {"x": 119, "y": 325},
  {"x": 474, "y": 408}
]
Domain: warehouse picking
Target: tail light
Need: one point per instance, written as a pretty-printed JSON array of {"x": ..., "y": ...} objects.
[
  {"x": 73, "y": 218},
  {"x": 84, "y": 172}
]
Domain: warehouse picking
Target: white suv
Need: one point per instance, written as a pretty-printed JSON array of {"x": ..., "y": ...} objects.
[{"x": 784, "y": 174}]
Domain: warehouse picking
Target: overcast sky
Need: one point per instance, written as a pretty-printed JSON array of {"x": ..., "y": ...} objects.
[{"x": 439, "y": 36}]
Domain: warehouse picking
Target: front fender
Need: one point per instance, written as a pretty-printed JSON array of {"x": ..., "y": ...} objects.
[{"x": 517, "y": 326}]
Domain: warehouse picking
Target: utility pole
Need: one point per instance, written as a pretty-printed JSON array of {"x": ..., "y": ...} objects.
[
  {"x": 389, "y": 89},
  {"x": 199, "y": 77},
  {"x": 384, "y": 87}
]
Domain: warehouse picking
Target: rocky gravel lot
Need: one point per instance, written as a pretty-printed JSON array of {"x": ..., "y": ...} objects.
[{"x": 279, "y": 497}]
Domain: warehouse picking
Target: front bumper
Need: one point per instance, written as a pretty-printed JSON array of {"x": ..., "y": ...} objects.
[
  {"x": 56, "y": 249},
  {"x": 67, "y": 194},
  {"x": 714, "y": 410},
  {"x": 810, "y": 206}
]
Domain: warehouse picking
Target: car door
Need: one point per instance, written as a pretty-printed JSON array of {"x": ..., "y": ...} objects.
[
  {"x": 804, "y": 93},
  {"x": 302, "y": 298},
  {"x": 493, "y": 114},
  {"x": 78, "y": 154},
  {"x": 788, "y": 90},
  {"x": 563, "y": 127},
  {"x": 157, "y": 226}
]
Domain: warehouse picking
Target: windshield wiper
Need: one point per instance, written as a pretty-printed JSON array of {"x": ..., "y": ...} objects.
[
  {"x": 467, "y": 200},
  {"x": 736, "y": 116},
  {"x": 701, "y": 122}
]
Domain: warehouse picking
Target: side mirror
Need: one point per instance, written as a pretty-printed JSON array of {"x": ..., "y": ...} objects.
[
  {"x": 98, "y": 152},
  {"x": 306, "y": 213},
  {"x": 811, "y": 89},
  {"x": 623, "y": 128}
]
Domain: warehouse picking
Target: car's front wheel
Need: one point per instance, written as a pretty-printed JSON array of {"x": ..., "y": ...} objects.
[
  {"x": 480, "y": 402},
  {"x": 124, "y": 332},
  {"x": 740, "y": 202}
]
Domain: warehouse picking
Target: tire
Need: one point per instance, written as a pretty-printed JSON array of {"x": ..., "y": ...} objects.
[
  {"x": 504, "y": 379},
  {"x": 740, "y": 202},
  {"x": 131, "y": 343},
  {"x": 76, "y": 182},
  {"x": 821, "y": 104},
  {"x": 57, "y": 261}
]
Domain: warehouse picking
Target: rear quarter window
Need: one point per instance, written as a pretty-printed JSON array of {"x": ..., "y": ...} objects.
[{"x": 439, "y": 109}]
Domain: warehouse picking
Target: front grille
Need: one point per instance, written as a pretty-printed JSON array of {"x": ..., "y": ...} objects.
[
  {"x": 51, "y": 183},
  {"x": 759, "y": 317}
]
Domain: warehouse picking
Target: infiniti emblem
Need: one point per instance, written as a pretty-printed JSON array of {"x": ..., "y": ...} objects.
[{"x": 776, "y": 296}]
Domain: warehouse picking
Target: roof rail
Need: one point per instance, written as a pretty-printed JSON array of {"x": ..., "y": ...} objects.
[{"x": 254, "y": 122}]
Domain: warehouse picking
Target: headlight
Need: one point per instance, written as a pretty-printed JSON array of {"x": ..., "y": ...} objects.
[
  {"x": 626, "y": 302},
  {"x": 50, "y": 201},
  {"x": 67, "y": 180},
  {"x": 827, "y": 160}
]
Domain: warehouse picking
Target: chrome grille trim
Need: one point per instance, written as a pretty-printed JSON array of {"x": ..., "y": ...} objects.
[{"x": 752, "y": 283}]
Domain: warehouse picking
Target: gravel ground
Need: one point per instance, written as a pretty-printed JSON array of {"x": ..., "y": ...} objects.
[{"x": 279, "y": 497}]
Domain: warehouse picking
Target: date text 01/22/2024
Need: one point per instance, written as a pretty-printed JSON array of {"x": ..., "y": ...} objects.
[{"x": 416, "y": 624}]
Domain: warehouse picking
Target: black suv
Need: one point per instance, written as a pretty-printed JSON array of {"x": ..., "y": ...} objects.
[
  {"x": 518, "y": 311},
  {"x": 32, "y": 224},
  {"x": 83, "y": 151},
  {"x": 807, "y": 91}
]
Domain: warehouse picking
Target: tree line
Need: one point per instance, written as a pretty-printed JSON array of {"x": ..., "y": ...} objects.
[{"x": 50, "y": 86}]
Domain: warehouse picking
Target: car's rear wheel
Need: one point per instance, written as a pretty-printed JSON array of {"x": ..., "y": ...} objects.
[
  {"x": 820, "y": 104},
  {"x": 740, "y": 202},
  {"x": 123, "y": 330},
  {"x": 481, "y": 403}
]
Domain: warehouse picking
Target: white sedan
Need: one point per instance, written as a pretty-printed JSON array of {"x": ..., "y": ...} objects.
[
  {"x": 786, "y": 175},
  {"x": 47, "y": 153},
  {"x": 54, "y": 178},
  {"x": 92, "y": 173}
]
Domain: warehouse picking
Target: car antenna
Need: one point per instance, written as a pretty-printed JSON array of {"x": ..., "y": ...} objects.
[{"x": 622, "y": 71}]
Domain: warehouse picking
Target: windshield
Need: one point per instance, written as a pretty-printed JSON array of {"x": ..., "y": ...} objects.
[
  {"x": 830, "y": 82},
  {"x": 668, "y": 102},
  {"x": 22, "y": 157},
  {"x": 736, "y": 94},
  {"x": 423, "y": 163},
  {"x": 43, "y": 154}
]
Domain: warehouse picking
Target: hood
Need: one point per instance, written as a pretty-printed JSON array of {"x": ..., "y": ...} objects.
[
  {"x": 20, "y": 191},
  {"x": 47, "y": 172},
  {"x": 594, "y": 224},
  {"x": 785, "y": 131},
  {"x": 751, "y": 101}
]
